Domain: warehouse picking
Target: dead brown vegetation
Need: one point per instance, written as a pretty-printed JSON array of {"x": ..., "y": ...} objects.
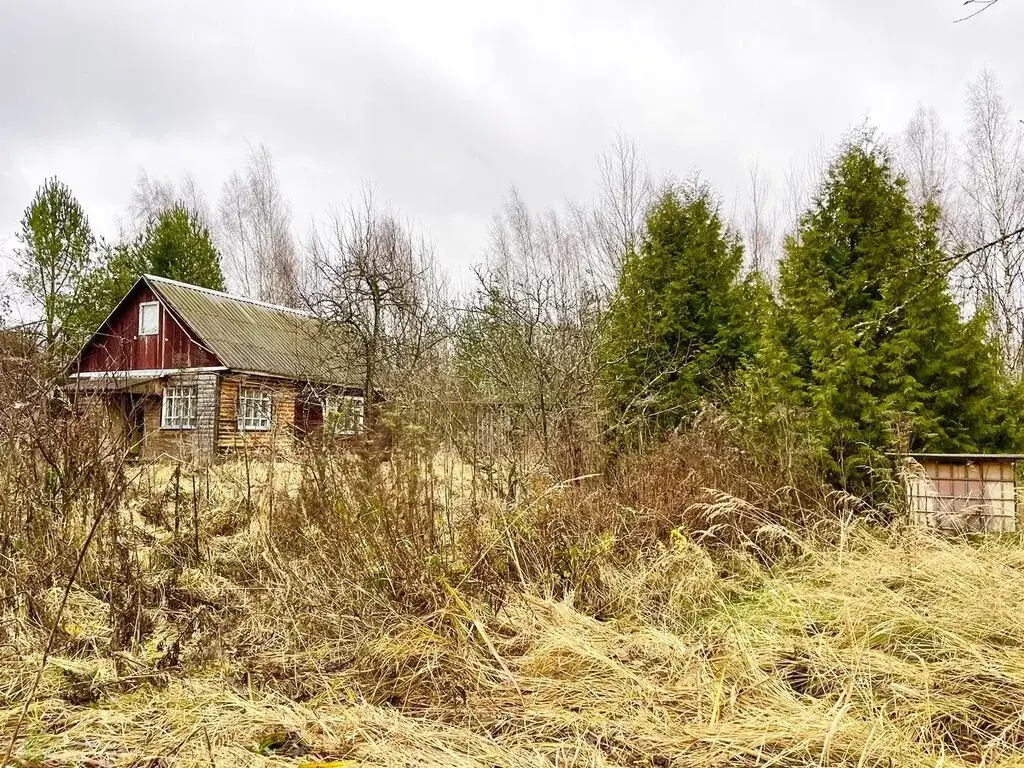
[{"x": 379, "y": 607}]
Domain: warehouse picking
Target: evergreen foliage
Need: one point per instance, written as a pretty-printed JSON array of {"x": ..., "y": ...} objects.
[
  {"x": 175, "y": 244},
  {"x": 681, "y": 322},
  {"x": 868, "y": 341}
]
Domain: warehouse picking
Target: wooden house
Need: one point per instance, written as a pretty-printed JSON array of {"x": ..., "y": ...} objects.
[
  {"x": 187, "y": 371},
  {"x": 963, "y": 491}
]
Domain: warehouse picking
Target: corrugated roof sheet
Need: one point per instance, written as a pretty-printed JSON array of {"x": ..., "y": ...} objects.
[{"x": 252, "y": 336}]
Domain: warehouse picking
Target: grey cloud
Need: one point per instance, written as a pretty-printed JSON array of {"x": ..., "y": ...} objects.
[{"x": 444, "y": 106}]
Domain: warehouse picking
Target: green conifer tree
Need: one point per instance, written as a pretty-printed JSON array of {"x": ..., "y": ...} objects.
[
  {"x": 869, "y": 340},
  {"x": 54, "y": 256},
  {"x": 177, "y": 245},
  {"x": 679, "y": 324}
]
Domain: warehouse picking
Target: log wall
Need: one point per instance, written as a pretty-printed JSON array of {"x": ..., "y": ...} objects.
[{"x": 280, "y": 438}]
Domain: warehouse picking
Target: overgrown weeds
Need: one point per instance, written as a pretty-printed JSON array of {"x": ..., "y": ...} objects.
[
  {"x": 685, "y": 607},
  {"x": 893, "y": 649}
]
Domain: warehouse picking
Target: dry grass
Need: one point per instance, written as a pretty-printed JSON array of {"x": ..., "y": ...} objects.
[{"x": 849, "y": 645}]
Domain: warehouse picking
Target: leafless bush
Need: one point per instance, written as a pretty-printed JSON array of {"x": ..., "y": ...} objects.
[
  {"x": 376, "y": 522},
  {"x": 59, "y": 472}
]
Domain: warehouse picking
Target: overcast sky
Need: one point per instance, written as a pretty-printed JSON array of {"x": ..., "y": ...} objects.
[{"x": 443, "y": 106}]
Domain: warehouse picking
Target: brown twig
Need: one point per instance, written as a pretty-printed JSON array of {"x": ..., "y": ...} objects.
[
  {"x": 998, "y": 241},
  {"x": 209, "y": 747}
]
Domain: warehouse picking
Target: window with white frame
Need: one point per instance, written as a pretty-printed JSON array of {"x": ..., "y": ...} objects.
[
  {"x": 149, "y": 318},
  {"x": 254, "y": 409},
  {"x": 345, "y": 414},
  {"x": 179, "y": 408}
]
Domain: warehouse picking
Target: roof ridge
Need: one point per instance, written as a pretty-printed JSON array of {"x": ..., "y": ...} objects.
[{"x": 231, "y": 296}]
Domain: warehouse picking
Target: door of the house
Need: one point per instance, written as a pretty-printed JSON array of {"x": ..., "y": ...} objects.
[{"x": 136, "y": 424}]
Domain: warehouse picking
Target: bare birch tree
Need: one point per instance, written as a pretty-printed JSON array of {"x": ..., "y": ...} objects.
[
  {"x": 619, "y": 218},
  {"x": 931, "y": 165},
  {"x": 794, "y": 198},
  {"x": 256, "y": 235},
  {"x": 152, "y": 197},
  {"x": 993, "y": 195},
  {"x": 760, "y": 225},
  {"x": 799, "y": 182},
  {"x": 927, "y": 159}
]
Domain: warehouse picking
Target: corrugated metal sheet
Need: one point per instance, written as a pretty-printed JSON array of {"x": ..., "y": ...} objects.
[{"x": 248, "y": 335}]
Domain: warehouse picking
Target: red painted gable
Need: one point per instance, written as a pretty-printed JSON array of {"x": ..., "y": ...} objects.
[{"x": 117, "y": 345}]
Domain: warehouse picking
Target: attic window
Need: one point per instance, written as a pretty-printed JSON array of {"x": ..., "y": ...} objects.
[{"x": 149, "y": 318}]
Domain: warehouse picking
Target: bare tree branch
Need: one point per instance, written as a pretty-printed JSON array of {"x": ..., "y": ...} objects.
[
  {"x": 372, "y": 275},
  {"x": 256, "y": 235},
  {"x": 760, "y": 226},
  {"x": 983, "y": 5}
]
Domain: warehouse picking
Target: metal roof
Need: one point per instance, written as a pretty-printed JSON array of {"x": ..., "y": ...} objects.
[
  {"x": 255, "y": 337},
  {"x": 968, "y": 456}
]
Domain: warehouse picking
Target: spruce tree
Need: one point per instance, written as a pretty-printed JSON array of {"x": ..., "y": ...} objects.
[
  {"x": 678, "y": 325},
  {"x": 870, "y": 342}
]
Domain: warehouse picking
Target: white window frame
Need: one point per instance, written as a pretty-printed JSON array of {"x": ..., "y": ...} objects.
[
  {"x": 142, "y": 314},
  {"x": 178, "y": 409},
  {"x": 255, "y": 410},
  {"x": 335, "y": 405}
]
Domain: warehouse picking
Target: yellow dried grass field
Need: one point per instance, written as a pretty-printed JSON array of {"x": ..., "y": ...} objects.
[{"x": 873, "y": 647}]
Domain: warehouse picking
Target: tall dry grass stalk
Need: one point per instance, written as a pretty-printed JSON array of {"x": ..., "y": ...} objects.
[
  {"x": 898, "y": 649},
  {"x": 682, "y": 608}
]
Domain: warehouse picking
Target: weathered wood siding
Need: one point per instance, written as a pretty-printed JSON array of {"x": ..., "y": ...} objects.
[
  {"x": 119, "y": 347},
  {"x": 186, "y": 444},
  {"x": 158, "y": 443},
  {"x": 280, "y": 438}
]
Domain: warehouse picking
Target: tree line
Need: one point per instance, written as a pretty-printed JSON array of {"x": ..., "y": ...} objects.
[
  {"x": 875, "y": 308},
  {"x": 73, "y": 279}
]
